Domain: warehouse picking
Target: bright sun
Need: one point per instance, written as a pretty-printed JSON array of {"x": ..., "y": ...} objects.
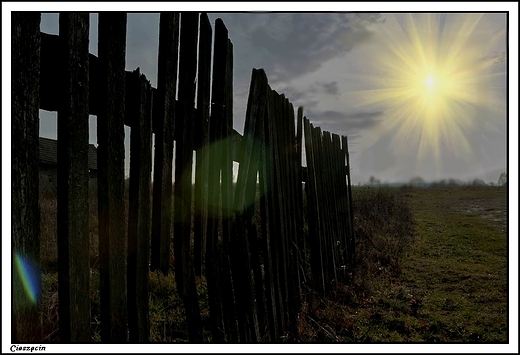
[
  {"x": 430, "y": 77},
  {"x": 429, "y": 81}
]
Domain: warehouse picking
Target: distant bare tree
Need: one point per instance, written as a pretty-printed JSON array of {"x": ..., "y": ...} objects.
[
  {"x": 479, "y": 182},
  {"x": 374, "y": 182},
  {"x": 502, "y": 180},
  {"x": 417, "y": 181}
]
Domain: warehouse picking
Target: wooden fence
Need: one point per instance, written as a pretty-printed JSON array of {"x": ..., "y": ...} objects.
[{"x": 258, "y": 263}]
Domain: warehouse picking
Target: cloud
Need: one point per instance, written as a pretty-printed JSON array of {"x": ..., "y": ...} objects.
[
  {"x": 290, "y": 45},
  {"x": 330, "y": 88},
  {"x": 308, "y": 96},
  {"x": 496, "y": 58},
  {"x": 297, "y": 97},
  {"x": 354, "y": 120},
  {"x": 311, "y": 40}
]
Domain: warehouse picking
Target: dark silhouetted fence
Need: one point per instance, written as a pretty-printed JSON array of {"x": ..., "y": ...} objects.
[{"x": 258, "y": 262}]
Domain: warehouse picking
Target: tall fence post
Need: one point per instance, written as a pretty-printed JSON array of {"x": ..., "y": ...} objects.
[
  {"x": 329, "y": 191},
  {"x": 214, "y": 168},
  {"x": 247, "y": 215},
  {"x": 266, "y": 181},
  {"x": 226, "y": 282},
  {"x": 139, "y": 205},
  {"x": 244, "y": 205},
  {"x": 163, "y": 126},
  {"x": 313, "y": 209},
  {"x": 184, "y": 274},
  {"x": 352, "y": 241},
  {"x": 299, "y": 198},
  {"x": 111, "y": 154},
  {"x": 25, "y": 86},
  {"x": 218, "y": 274},
  {"x": 201, "y": 140},
  {"x": 292, "y": 186},
  {"x": 341, "y": 200},
  {"x": 73, "y": 175},
  {"x": 278, "y": 229}
]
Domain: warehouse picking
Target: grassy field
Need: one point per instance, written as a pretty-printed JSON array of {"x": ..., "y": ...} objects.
[
  {"x": 457, "y": 265},
  {"x": 431, "y": 267},
  {"x": 451, "y": 281}
]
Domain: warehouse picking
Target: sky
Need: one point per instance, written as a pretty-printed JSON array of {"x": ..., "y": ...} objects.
[{"x": 417, "y": 94}]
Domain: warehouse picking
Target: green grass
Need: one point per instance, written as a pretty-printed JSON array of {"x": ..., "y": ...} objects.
[
  {"x": 451, "y": 285},
  {"x": 458, "y": 265}
]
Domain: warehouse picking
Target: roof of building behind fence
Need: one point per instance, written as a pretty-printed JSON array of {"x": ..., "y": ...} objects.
[{"x": 49, "y": 153}]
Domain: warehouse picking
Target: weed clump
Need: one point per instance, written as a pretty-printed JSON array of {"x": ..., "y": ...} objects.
[{"x": 383, "y": 228}]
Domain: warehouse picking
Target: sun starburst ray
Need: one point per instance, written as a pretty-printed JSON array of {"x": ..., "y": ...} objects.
[{"x": 430, "y": 79}]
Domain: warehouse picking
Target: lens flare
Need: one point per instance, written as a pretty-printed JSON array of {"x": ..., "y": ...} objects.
[
  {"x": 29, "y": 274},
  {"x": 432, "y": 77},
  {"x": 213, "y": 154}
]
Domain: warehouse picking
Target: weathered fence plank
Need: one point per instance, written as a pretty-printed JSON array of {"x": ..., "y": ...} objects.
[
  {"x": 111, "y": 153},
  {"x": 244, "y": 196},
  {"x": 336, "y": 178},
  {"x": 314, "y": 210},
  {"x": 246, "y": 225},
  {"x": 184, "y": 275},
  {"x": 281, "y": 242},
  {"x": 184, "y": 149},
  {"x": 352, "y": 242},
  {"x": 283, "y": 134},
  {"x": 325, "y": 209},
  {"x": 276, "y": 233},
  {"x": 25, "y": 87},
  {"x": 139, "y": 209},
  {"x": 217, "y": 122},
  {"x": 299, "y": 199},
  {"x": 330, "y": 198},
  {"x": 227, "y": 131},
  {"x": 340, "y": 183},
  {"x": 73, "y": 236},
  {"x": 50, "y": 68},
  {"x": 293, "y": 185},
  {"x": 284, "y": 189},
  {"x": 201, "y": 140},
  {"x": 163, "y": 122},
  {"x": 266, "y": 212},
  {"x": 226, "y": 282},
  {"x": 248, "y": 218},
  {"x": 320, "y": 174}
]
